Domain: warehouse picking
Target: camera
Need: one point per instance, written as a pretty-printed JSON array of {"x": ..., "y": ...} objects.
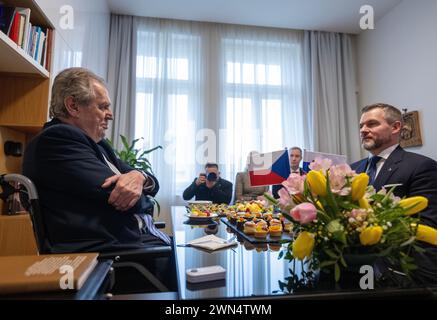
[{"x": 212, "y": 176}]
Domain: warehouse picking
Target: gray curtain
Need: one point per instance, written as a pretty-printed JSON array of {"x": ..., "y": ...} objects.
[
  {"x": 121, "y": 77},
  {"x": 329, "y": 94}
]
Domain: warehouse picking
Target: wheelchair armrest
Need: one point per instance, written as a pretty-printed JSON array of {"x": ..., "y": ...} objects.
[{"x": 159, "y": 224}]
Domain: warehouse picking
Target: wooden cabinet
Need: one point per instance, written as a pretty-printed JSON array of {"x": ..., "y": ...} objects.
[
  {"x": 24, "y": 89},
  {"x": 16, "y": 235}
]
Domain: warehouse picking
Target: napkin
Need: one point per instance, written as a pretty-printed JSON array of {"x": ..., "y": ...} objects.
[{"x": 211, "y": 242}]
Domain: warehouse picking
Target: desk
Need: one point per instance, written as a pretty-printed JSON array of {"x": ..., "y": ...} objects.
[{"x": 255, "y": 272}]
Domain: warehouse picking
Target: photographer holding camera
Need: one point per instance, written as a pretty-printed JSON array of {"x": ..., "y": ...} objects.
[{"x": 209, "y": 186}]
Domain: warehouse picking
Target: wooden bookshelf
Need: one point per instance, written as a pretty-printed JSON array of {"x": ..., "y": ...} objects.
[
  {"x": 16, "y": 235},
  {"x": 24, "y": 90},
  {"x": 13, "y": 59}
]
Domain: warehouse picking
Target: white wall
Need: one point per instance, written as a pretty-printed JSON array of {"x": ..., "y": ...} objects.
[
  {"x": 397, "y": 64},
  {"x": 87, "y": 43}
]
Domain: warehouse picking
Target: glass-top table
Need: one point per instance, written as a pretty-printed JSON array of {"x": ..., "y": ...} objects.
[{"x": 254, "y": 271}]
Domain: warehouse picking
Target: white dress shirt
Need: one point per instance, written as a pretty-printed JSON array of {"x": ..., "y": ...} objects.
[{"x": 384, "y": 154}]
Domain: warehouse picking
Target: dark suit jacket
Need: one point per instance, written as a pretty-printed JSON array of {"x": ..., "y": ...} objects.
[
  {"x": 418, "y": 176},
  {"x": 277, "y": 187},
  {"x": 416, "y": 173},
  {"x": 68, "y": 170},
  {"x": 220, "y": 193}
]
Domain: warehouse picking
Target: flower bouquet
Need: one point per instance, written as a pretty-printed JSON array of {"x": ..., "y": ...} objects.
[{"x": 336, "y": 215}]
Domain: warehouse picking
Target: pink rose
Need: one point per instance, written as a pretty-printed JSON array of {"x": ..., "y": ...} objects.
[
  {"x": 320, "y": 164},
  {"x": 284, "y": 197},
  {"x": 294, "y": 184},
  {"x": 304, "y": 213},
  {"x": 337, "y": 178}
]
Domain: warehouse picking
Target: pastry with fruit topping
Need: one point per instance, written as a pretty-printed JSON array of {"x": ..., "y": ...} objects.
[
  {"x": 249, "y": 228},
  {"x": 261, "y": 230},
  {"x": 288, "y": 226},
  {"x": 275, "y": 230}
]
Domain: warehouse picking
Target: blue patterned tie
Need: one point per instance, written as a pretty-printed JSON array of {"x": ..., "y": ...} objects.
[
  {"x": 147, "y": 218},
  {"x": 371, "y": 168}
]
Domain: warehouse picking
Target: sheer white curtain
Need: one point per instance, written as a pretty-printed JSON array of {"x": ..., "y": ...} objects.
[
  {"x": 260, "y": 93},
  {"x": 169, "y": 101},
  {"x": 211, "y": 92}
]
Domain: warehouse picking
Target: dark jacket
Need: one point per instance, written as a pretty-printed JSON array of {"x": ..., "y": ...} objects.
[
  {"x": 418, "y": 176},
  {"x": 68, "y": 170},
  {"x": 220, "y": 193}
]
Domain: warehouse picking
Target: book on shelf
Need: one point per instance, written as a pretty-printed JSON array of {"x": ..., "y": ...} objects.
[
  {"x": 36, "y": 41},
  {"x": 6, "y": 17},
  {"x": 24, "y": 25},
  {"x": 14, "y": 28},
  {"x": 44, "y": 273}
]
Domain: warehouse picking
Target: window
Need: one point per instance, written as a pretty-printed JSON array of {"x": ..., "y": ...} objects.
[
  {"x": 241, "y": 88},
  {"x": 166, "y": 96},
  {"x": 258, "y": 86}
]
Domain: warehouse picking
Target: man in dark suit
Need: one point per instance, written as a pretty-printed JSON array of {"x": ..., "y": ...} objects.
[
  {"x": 295, "y": 159},
  {"x": 90, "y": 200},
  {"x": 388, "y": 163}
]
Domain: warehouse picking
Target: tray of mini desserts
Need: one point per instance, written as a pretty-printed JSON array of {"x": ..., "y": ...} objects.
[
  {"x": 204, "y": 211},
  {"x": 259, "y": 225}
]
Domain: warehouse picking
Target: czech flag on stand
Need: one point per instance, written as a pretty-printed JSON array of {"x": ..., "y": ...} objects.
[{"x": 269, "y": 168}]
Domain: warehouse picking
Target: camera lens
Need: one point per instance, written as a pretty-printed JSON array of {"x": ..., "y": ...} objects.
[{"x": 212, "y": 176}]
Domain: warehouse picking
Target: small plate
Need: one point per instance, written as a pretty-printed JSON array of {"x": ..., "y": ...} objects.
[
  {"x": 199, "y": 202},
  {"x": 197, "y": 218}
]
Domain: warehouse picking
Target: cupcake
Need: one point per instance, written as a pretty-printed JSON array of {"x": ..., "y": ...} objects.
[
  {"x": 267, "y": 216},
  {"x": 275, "y": 230},
  {"x": 262, "y": 222},
  {"x": 275, "y": 222},
  {"x": 249, "y": 227},
  {"x": 261, "y": 230},
  {"x": 288, "y": 226}
]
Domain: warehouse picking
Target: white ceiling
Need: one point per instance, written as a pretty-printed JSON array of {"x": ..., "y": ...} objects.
[{"x": 324, "y": 15}]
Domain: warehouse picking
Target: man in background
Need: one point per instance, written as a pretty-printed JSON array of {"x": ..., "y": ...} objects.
[
  {"x": 295, "y": 159},
  {"x": 388, "y": 163},
  {"x": 210, "y": 186}
]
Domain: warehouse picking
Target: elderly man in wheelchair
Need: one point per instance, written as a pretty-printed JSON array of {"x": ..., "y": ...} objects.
[{"x": 89, "y": 200}]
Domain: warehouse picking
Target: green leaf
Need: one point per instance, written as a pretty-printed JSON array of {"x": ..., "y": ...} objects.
[
  {"x": 331, "y": 254},
  {"x": 271, "y": 199},
  {"x": 124, "y": 142},
  {"x": 337, "y": 272},
  {"x": 343, "y": 262},
  {"x": 330, "y": 197},
  {"x": 327, "y": 263}
]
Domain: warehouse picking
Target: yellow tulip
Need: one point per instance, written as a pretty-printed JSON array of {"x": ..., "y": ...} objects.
[
  {"x": 364, "y": 204},
  {"x": 414, "y": 204},
  {"x": 359, "y": 185},
  {"x": 303, "y": 245},
  {"x": 426, "y": 234},
  {"x": 370, "y": 235},
  {"x": 317, "y": 182}
]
